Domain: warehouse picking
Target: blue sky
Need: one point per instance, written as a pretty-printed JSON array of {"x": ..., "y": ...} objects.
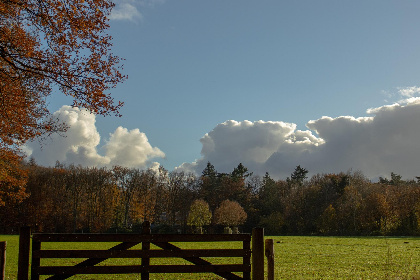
[{"x": 194, "y": 65}]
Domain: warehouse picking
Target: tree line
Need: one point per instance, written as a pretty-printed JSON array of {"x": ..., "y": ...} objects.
[{"x": 89, "y": 199}]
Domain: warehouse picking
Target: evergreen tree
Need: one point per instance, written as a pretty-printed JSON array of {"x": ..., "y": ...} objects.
[{"x": 298, "y": 176}]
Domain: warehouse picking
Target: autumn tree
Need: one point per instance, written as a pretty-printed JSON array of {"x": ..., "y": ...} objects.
[
  {"x": 348, "y": 210},
  {"x": 270, "y": 204},
  {"x": 395, "y": 180},
  {"x": 327, "y": 222},
  {"x": 180, "y": 195},
  {"x": 130, "y": 207},
  {"x": 45, "y": 46},
  {"x": 230, "y": 213},
  {"x": 101, "y": 198},
  {"x": 216, "y": 187},
  {"x": 269, "y": 195},
  {"x": 238, "y": 188},
  {"x": 199, "y": 215},
  {"x": 12, "y": 177},
  {"x": 148, "y": 197},
  {"x": 303, "y": 206}
]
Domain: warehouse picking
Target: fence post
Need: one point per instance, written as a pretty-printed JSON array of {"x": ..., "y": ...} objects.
[
  {"x": 3, "y": 245},
  {"x": 36, "y": 262},
  {"x": 247, "y": 259},
  {"x": 269, "y": 253},
  {"x": 145, "y": 262},
  {"x": 258, "y": 254},
  {"x": 24, "y": 248}
]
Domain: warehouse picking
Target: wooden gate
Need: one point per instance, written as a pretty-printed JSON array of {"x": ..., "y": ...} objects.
[{"x": 164, "y": 249}]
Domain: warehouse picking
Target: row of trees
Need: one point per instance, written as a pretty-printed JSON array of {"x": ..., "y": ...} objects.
[
  {"x": 88, "y": 199},
  {"x": 63, "y": 45}
]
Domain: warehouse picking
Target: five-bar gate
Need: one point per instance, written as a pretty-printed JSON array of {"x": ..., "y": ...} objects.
[{"x": 199, "y": 259}]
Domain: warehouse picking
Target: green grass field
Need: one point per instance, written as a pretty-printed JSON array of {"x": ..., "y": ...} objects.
[{"x": 295, "y": 258}]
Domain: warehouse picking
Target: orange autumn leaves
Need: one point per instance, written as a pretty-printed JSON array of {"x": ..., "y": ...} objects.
[
  {"x": 49, "y": 45},
  {"x": 63, "y": 44},
  {"x": 12, "y": 178}
]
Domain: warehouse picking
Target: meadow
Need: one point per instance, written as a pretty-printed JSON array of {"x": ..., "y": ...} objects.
[{"x": 296, "y": 257}]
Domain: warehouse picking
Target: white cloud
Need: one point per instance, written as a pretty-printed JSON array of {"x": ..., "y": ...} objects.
[
  {"x": 80, "y": 144},
  {"x": 129, "y": 9},
  {"x": 384, "y": 142},
  {"x": 130, "y": 148},
  {"x": 126, "y": 11},
  {"x": 252, "y": 143},
  {"x": 151, "y": 3},
  {"x": 409, "y": 91}
]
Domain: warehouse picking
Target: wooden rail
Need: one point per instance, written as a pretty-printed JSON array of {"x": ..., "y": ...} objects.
[{"x": 93, "y": 258}]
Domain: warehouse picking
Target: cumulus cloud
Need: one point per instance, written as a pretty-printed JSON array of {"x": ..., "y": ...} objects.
[
  {"x": 385, "y": 141},
  {"x": 129, "y": 148},
  {"x": 251, "y": 143}
]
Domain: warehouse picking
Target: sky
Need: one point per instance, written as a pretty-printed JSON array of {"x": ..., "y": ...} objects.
[{"x": 329, "y": 85}]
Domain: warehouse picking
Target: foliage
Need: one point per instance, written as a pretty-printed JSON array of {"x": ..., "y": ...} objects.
[
  {"x": 12, "y": 178},
  {"x": 88, "y": 199},
  {"x": 273, "y": 223},
  {"x": 327, "y": 222},
  {"x": 209, "y": 171},
  {"x": 216, "y": 187},
  {"x": 59, "y": 43},
  {"x": 229, "y": 213},
  {"x": 240, "y": 172},
  {"x": 47, "y": 45},
  {"x": 395, "y": 180},
  {"x": 298, "y": 175},
  {"x": 200, "y": 214}
]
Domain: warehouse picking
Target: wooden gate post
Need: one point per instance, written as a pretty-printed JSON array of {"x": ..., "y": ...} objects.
[
  {"x": 145, "y": 246},
  {"x": 3, "y": 245},
  {"x": 24, "y": 248},
  {"x": 258, "y": 254},
  {"x": 269, "y": 253}
]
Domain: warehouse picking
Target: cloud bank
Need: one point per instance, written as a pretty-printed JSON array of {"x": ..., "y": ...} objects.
[
  {"x": 387, "y": 140},
  {"x": 124, "y": 147}
]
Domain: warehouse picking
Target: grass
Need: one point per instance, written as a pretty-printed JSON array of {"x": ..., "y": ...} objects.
[
  {"x": 347, "y": 258},
  {"x": 295, "y": 258}
]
